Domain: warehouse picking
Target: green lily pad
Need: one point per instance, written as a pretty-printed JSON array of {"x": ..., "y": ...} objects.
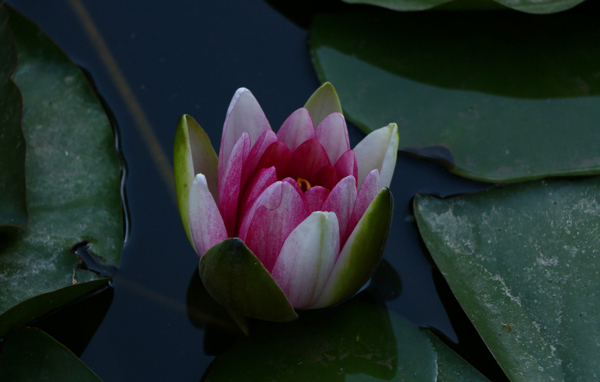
[
  {"x": 73, "y": 184},
  {"x": 32, "y": 355},
  {"x": 523, "y": 262},
  {"x": 13, "y": 205},
  {"x": 519, "y": 99},
  {"x": 530, "y": 6},
  {"x": 354, "y": 341},
  {"x": 236, "y": 278}
]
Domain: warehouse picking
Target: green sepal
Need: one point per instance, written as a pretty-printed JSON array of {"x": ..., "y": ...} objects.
[
  {"x": 192, "y": 154},
  {"x": 362, "y": 252},
  {"x": 236, "y": 278},
  {"x": 323, "y": 102}
]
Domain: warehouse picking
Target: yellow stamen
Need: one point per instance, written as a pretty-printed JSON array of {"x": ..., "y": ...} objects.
[{"x": 304, "y": 184}]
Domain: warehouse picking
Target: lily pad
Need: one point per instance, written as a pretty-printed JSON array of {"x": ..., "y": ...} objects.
[
  {"x": 354, "y": 341},
  {"x": 13, "y": 204},
  {"x": 32, "y": 355},
  {"x": 523, "y": 262},
  {"x": 519, "y": 99},
  {"x": 530, "y": 6},
  {"x": 73, "y": 184}
]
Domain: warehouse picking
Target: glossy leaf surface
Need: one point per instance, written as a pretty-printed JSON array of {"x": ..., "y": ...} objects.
[
  {"x": 13, "y": 205},
  {"x": 32, "y": 355},
  {"x": 523, "y": 263},
  {"x": 73, "y": 182},
  {"x": 236, "y": 278},
  {"x": 529, "y": 6},
  {"x": 354, "y": 341},
  {"x": 519, "y": 99}
]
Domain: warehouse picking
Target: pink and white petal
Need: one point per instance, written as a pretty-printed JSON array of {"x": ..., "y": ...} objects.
[
  {"x": 294, "y": 184},
  {"x": 279, "y": 156},
  {"x": 326, "y": 177},
  {"x": 347, "y": 165},
  {"x": 259, "y": 182},
  {"x": 206, "y": 224},
  {"x": 266, "y": 139},
  {"x": 307, "y": 258},
  {"x": 369, "y": 189},
  {"x": 297, "y": 129},
  {"x": 309, "y": 158},
  {"x": 230, "y": 187},
  {"x": 378, "y": 150},
  {"x": 272, "y": 222},
  {"x": 243, "y": 115},
  {"x": 332, "y": 133},
  {"x": 272, "y": 192},
  {"x": 341, "y": 201}
]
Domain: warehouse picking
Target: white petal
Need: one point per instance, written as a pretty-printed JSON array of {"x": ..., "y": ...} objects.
[
  {"x": 307, "y": 258},
  {"x": 378, "y": 150}
]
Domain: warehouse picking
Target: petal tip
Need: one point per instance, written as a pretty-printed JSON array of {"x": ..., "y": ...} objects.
[{"x": 200, "y": 179}]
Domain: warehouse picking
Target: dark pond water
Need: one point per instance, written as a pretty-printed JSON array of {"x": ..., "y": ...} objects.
[{"x": 189, "y": 57}]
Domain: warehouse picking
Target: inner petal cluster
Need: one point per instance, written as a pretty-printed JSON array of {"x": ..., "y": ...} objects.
[{"x": 271, "y": 185}]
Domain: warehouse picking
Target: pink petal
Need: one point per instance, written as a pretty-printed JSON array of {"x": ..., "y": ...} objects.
[
  {"x": 259, "y": 182},
  {"x": 333, "y": 135},
  {"x": 229, "y": 187},
  {"x": 275, "y": 216},
  {"x": 368, "y": 190},
  {"x": 206, "y": 223},
  {"x": 307, "y": 258},
  {"x": 309, "y": 158},
  {"x": 378, "y": 150},
  {"x": 297, "y": 129},
  {"x": 347, "y": 165},
  {"x": 266, "y": 139},
  {"x": 341, "y": 201},
  {"x": 327, "y": 177},
  {"x": 314, "y": 198},
  {"x": 279, "y": 156},
  {"x": 243, "y": 115}
]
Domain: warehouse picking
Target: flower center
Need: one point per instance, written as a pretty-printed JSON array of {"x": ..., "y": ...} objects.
[{"x": 304, "y": 184}]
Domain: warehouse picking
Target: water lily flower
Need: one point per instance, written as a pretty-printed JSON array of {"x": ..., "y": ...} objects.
[{"x": 288, "y": 220}]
